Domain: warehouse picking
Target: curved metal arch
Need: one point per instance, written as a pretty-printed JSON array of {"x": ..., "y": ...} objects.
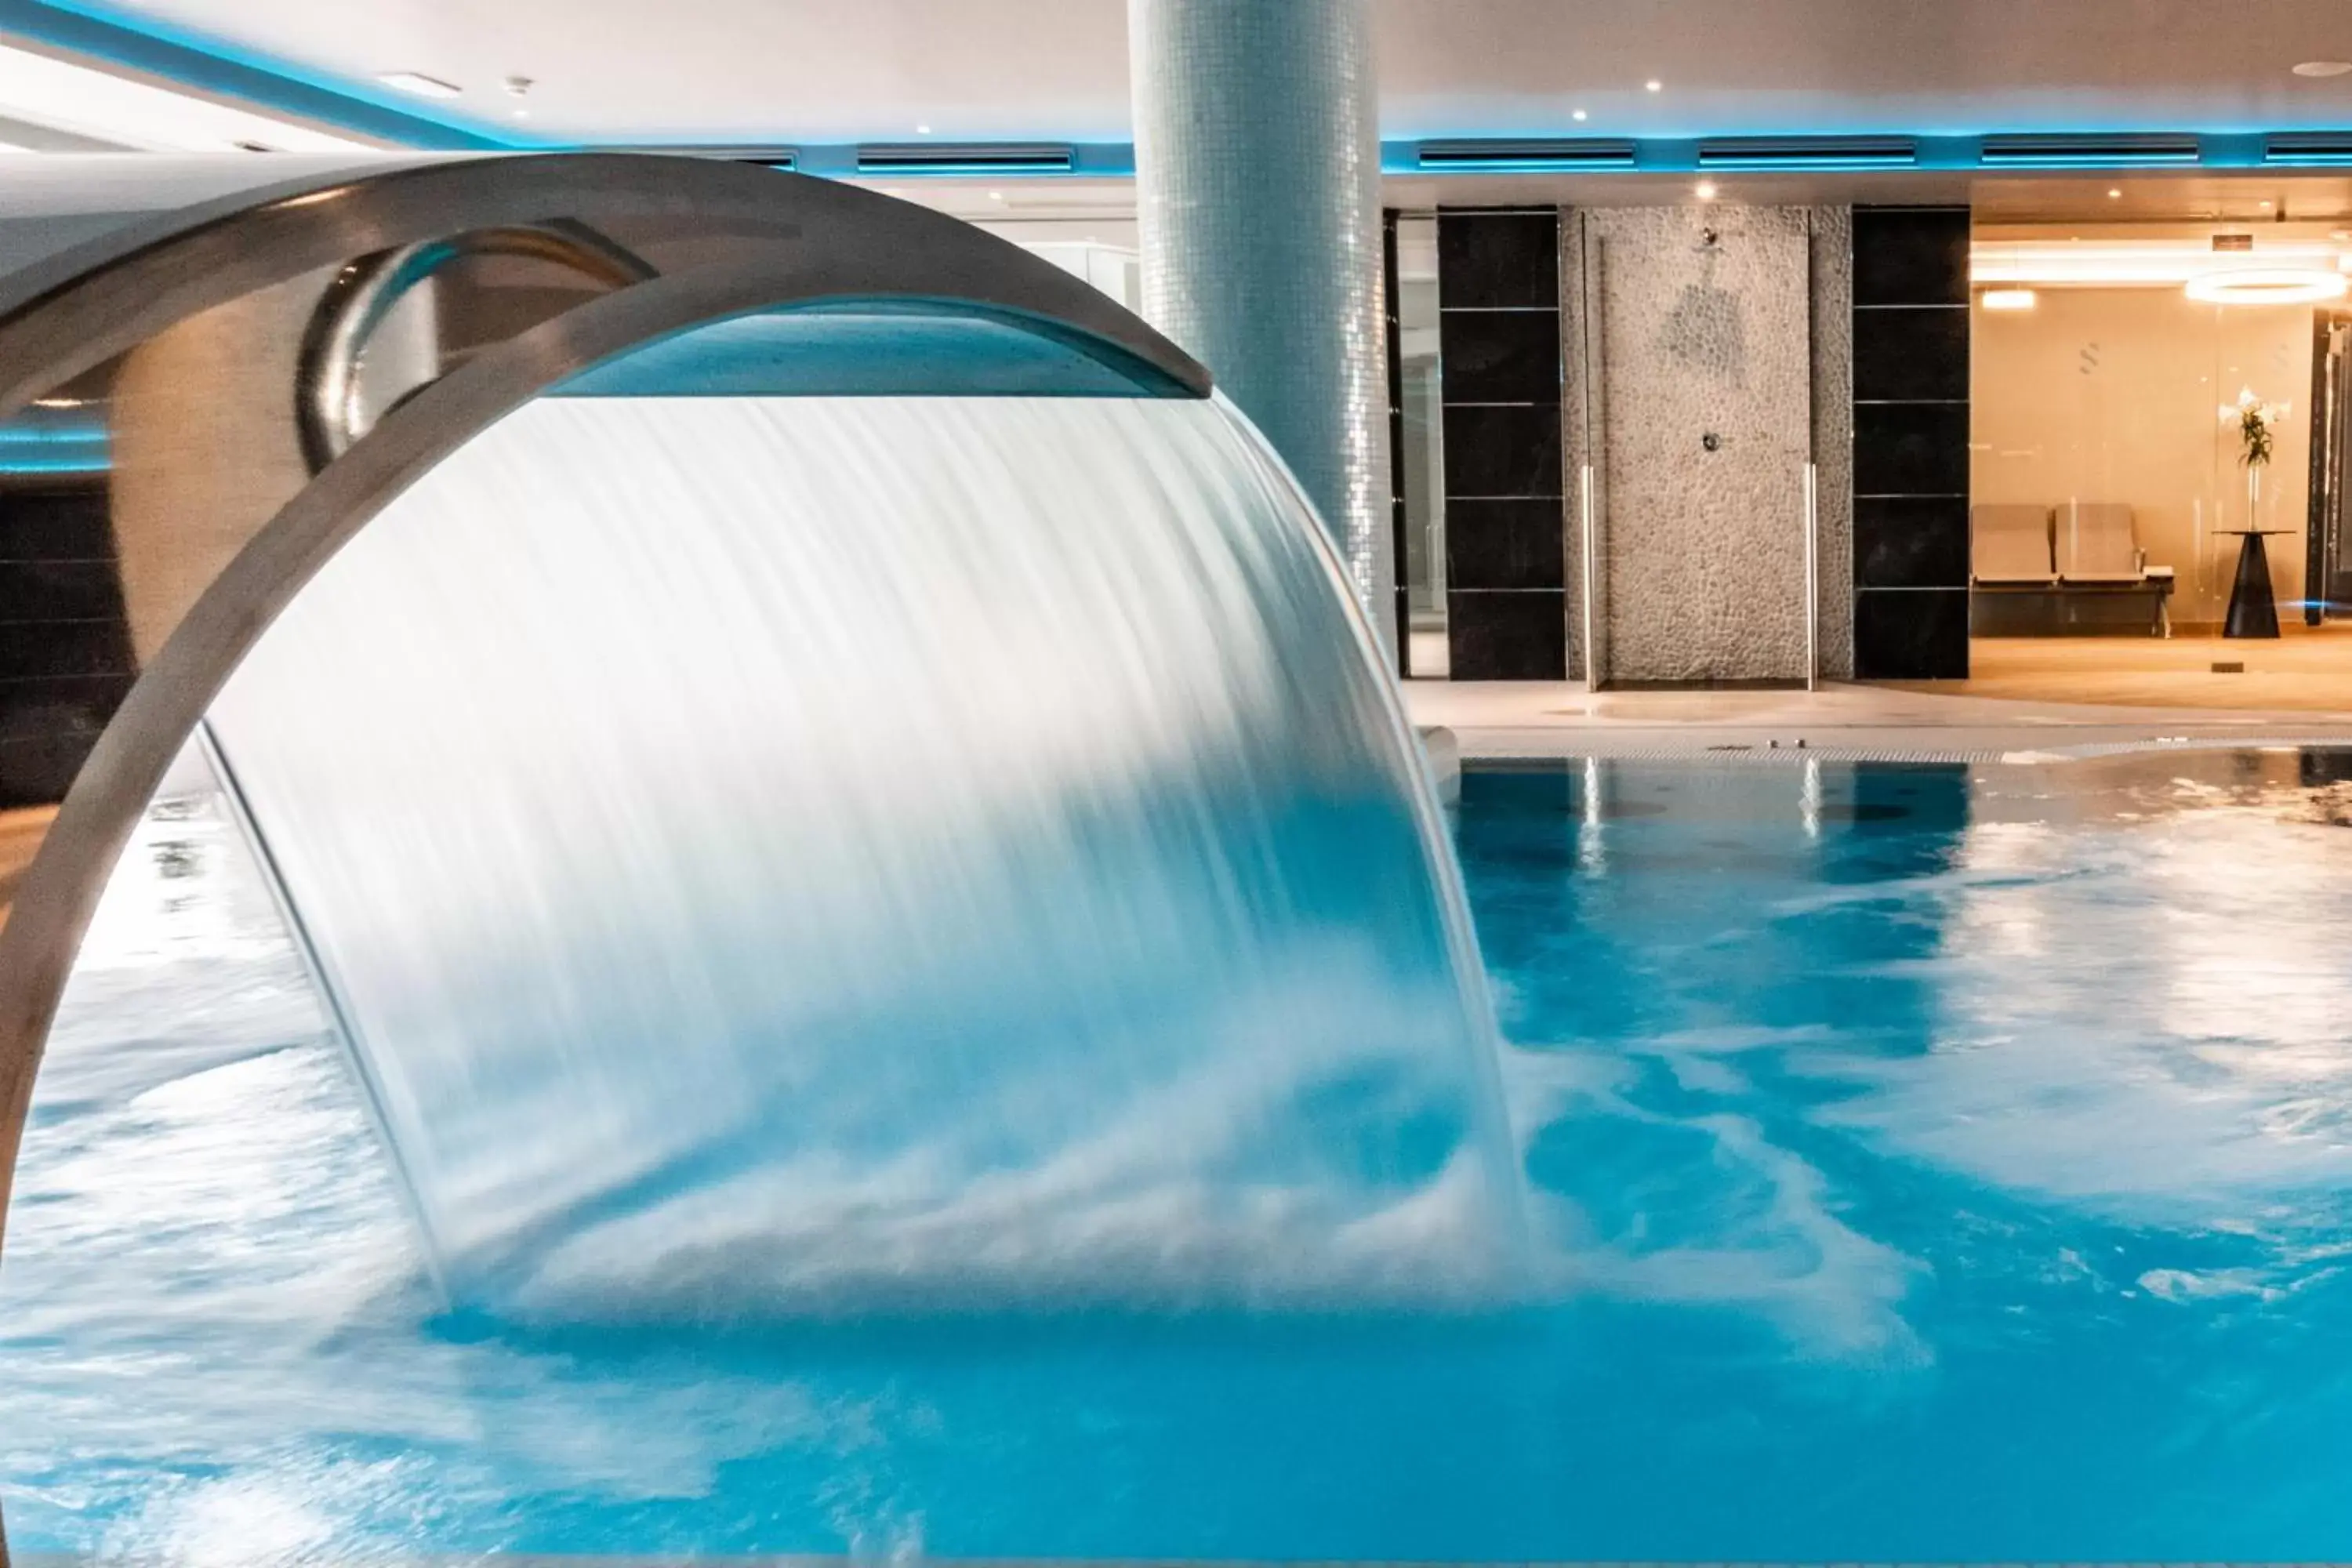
[
  {"x": 80, "y": 308},
  {"x": 326, "y": 376}
]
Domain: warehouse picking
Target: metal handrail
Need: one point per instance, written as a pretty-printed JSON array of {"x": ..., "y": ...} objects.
[{"x": 1812, "y": 578}]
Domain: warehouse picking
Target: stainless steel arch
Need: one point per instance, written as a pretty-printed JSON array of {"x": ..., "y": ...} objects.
[
  {"x": 802, "y": 243},
  {"x": 69, "y": 311},
  {"x": 326, "y": 381}
]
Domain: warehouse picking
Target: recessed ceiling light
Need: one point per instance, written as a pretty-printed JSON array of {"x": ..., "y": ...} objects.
[
  {"x": 2115, "y": 193},
  {"x": 420, "y": 84},
  {"x": 996, "y": 196},
  {"x": 2266, "y": 206},
  {"x": 1704, "y": 191},
  {"x": 922, "y": 130},
  {"x": 2324, "y": 67},
  {"x": 1654, "y": 85},
  {"x": 1579, "y": 114}
]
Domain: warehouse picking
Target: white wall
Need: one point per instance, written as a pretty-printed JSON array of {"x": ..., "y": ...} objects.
[
  {"x": 1111, "y": 268},
  {"x": 2113, "y": 394}
]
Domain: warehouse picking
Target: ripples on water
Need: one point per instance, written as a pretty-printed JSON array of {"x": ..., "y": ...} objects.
[
  {"x": 1920, "y": 1162},
  {"x": 1963, "y": 1177}
]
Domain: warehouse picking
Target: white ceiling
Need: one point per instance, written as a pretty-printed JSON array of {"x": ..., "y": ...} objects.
[
  {"x": 758, "y": 70},
  {"x": 52, "y": 104}
]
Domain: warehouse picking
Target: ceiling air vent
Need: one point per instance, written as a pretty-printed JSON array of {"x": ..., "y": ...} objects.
[
  {"x": 969, "y": 158},
  {"x": 1808, "y": 153},
  {"x": 2095, "y": 151},
  {"x": 1529, "y": 156},
  {"x": 2307, "y": 147},
  {"x": 785, "y": 158}
]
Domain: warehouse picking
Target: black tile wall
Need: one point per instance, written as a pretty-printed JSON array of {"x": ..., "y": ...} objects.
[
  {"x": 66, "y": 661},
  {"x": 1911, "y": 443},
  {"x": 1505, "y": 544},
  {"x": 1911, "y": 542},
  {"x": 1910, "y": 256},
  {"x": 1911, "y": 450},
  {"x": 1912, "y": 354},
  {"x": 1492, "y": 356},
  {"x": 1505, "y": 513},
  {"x": 1498, "y": 260},
  {"x": 1899, "y": 631},
  {"x": 38, "y": 649},
  {"x": 1499, "y": 449},
  {"x": 1393, "y": 331},
  {"x": 48, "y": 525},
  {"x": 1493, "y": 636}
]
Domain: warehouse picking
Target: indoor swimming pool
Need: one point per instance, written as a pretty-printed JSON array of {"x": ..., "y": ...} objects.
[{"x": 1920, "y": 1161}]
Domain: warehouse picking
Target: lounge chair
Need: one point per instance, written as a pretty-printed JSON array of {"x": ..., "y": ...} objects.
[
  {"x": 2087, "y": 573},
  {"x": 2097, "y": 543},
  {"x": 2009, "y": 544}
]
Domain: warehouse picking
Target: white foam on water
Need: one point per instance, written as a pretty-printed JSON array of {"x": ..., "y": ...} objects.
[
  {"x": 2146, "y": 1021},
  {"x": 1770, "y": 1242}
]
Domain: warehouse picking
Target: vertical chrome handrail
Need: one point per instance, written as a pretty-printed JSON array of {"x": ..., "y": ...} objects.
[
  {"x": 1591, "y": 586},
  {"x": 1812, "y": 578}
]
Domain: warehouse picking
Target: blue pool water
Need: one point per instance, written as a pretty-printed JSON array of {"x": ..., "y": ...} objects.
[{"x": 1923, "y": 1163}]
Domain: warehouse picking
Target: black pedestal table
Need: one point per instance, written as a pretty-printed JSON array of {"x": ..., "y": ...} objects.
[{"x": 2253, "y": 608}]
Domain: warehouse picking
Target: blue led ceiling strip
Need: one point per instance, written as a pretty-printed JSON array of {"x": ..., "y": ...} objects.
[
  {"x": 266, "y": 86},
  {"x": 2115, "y": 152},
  {"x": 272, "y": 85},
  {"x": 1647, "y": 156}
]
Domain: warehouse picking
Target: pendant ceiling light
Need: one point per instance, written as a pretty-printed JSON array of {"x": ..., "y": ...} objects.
[{"x": 2268, "y": 285}]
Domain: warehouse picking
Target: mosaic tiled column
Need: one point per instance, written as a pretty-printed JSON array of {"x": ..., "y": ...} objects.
[{"x": 1257, "y": 175}]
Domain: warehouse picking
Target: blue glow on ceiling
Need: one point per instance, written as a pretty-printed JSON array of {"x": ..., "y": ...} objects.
[
  {"x": 1934, "y": 153},
  {"x": 47, "y": 441},
  {"x": 265, "y": 84},
  {"x": 1651, "y": 155},
  {"x": 269, "y": 84}
]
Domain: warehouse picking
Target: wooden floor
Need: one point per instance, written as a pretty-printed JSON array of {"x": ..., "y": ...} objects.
[
  {"x": 20, "y": 835},
  {"x": 2308, "y": 670}
]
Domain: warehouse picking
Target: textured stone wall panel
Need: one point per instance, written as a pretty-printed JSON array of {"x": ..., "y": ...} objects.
[
  {"x": 1703, "y": 556},
  {"x": 1832, "y": 266},
  {"x": 1257, "y": 163}
]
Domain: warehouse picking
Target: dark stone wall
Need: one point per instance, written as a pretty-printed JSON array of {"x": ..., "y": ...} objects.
[
  {"x": 1911, "y": 443},
  {"x": 65, "y": 646},
  {"x": 1506, "y": 506}
]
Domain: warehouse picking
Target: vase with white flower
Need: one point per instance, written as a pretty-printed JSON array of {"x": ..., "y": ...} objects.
[{"x": 2255, "y": 421}]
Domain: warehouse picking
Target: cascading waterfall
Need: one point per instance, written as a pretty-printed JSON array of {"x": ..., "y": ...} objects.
[{"x": 816, "y": 856}]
